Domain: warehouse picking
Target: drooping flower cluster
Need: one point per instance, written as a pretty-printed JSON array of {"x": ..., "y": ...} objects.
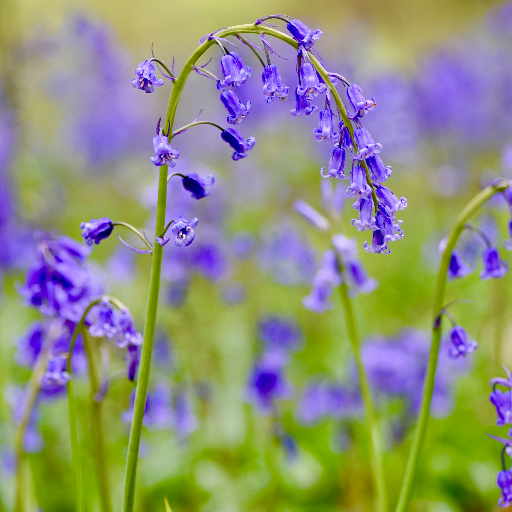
[
  {"x": 502, "y": 401},
  {"x": 340, "y": 263}
]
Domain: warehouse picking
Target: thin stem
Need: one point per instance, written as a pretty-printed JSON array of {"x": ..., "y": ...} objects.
[
  {"x": 175, "y": 174},
  {"x": 134, "y": 230},
  {"x": 167, "y": 226},
  {"x": 98, "y": 440},
  {"x": 195, "y": 123},
  {"x": 31, "y": 393},
  {"x": 419, "y": 436},
  {"x": 165, "y": 67},
  {"x": 377, "y": 464},
  {"x": 253, "y": 49}
]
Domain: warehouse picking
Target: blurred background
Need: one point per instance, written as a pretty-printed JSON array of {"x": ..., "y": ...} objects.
[{"x": 75, "y": 143}]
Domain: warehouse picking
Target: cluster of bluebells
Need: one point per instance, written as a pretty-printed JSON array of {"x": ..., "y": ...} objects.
[
  {"x": 339, "y": 263},
  {"x": 502, "y": 401}
]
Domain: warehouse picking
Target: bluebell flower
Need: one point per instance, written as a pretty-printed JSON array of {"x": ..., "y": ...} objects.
[
  {"x": 366, "y": 219},
  {"x": 357, "y": 278},
  {"x": 311, "y": 215},
  {"x": 302, "y": 34},
  {"x": 237, "y": 110},
  {"x": 324, "y": 281},
  {"x": 267, "y": 382},
  {"x": 237, "y": 142},
  {"x": 96, "y": 230},
  {"x": 503, "y": 403},
  {"x": 165, "y": 155},
  {"x": 309, "y": 82},
  {"x": 366, "y": 146},
  {"x": 326, "y": 131},
  {"x": 389, "y": 200},
  {"x": 388, "y": 227},
  {"x": 273, "y": 89},
  {"x": 303, "y": 106},
  {"x": 279, "y": 332},
  {"x": 336, "y": 167},
  {"x": 504, "y": 482},
  {"x": 359, "y": 185},
  {"x": 508, "y": 243},
  {"x": 102, "y": 320},
  {"x": 345, "y": 247},
  {"x": 457, "y": 267},
  {"x": 461, "y": 346},
  {"x": 55, "y": 376},
  {"x": 183, "y": 229},
  {"x": 146, "y": 78},
  {"x": 30, "y": 344},
  {"x": 493, "y": 266},
  {"x": 378, "y": 171},
  {"x": 234, "y": 71},
  {"x": 358, "y": 101},
  {"x": 126, "y": 334},
  {"x": 379, "y": 244},
  {"x": 197, "y": 186},
  {"x": 59, "y": 283}
]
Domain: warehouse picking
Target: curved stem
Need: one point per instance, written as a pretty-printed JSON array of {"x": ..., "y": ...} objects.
[
  {"x": 377, "y": 464},
  {"x": 165, "y": 67},
  {"x": 419, "y": 436},
  {"x": 134, "y": 230},
  {"x": 31, "y": 392},
  {"x": 247, "y": 43},
  {"x": 195, "y": 123}
]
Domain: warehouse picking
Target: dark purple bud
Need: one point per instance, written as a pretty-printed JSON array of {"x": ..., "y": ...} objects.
[
  {"x": 237, "y": 142},
  {"x": 237, "y": 110},
  {"x": 327, "y": 127},
  {"x": 146, "y": 78},
  {"x": 460, "y": 343},
  {"x": 457, "y": 268},
  {"x": 302, "y": 34},
  {"x": 183, "y": 229},
  {"x": 165, "y": 155},
  {"x": 96, "y": 230},
  {"x": 493, "y": 267},
  {"x": 273, "y": 89},
  {"x": 234, "y": 71},
  {"x": 197, "y": 186},
  {"x": 303, "y": 106}
]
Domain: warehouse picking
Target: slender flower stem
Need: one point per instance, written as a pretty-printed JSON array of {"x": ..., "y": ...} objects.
[
  {"x": 154, "y": 287},
  {"x": 377, "y": 465},
  {"x": 134, "y": 230},
  {"x": 195, "y": 123},
  {"x": 98, "y": 439},
  {"x": 419, "y": 436},
  {"x": 31, "y": 392}
]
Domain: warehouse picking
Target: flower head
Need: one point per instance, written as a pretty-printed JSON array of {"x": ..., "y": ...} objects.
[
  {"x": 165, "y": 155},
  {"x": 96, "y": 230},
  {"x": 238, "y": 143},
  {"x": 303, "y": 105},
  {"x": 126, "y": 335},
  {"x": 378, "y": 171},
  {"x": 493, "y": 266},
  {"x": 379, "y": 243},
  {"x": 102, "y": 320},
  {"x": 336, "y": 165},
  {"x": 359, "y": 185},
  {"x": 310, "y": 85},
  {"x": 303, "y": 35},
  {"x": 461, "y": 346},
  {"x": 197, "y": 186},
  {"x": 273, "y": 89},
  {"x": 502, "y": 400},
  {"x": 366, "y": 219},
  {"x": 183, "y": 229},
  {"x": 237, "y": 110},
  {"x": 365, "y": 143},
  {"x": 234, "y": 71},
  {"x": 146, "y": 78},
  {"x": 390, "y": 202},
  {"x": 457, "y": 267},
  {"x": 358, "y": 101},
  {"x": 504, "y": 482},
  {"x": 326, "y": 131}
]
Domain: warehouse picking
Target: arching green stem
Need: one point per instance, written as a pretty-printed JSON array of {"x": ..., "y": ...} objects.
[
  {"x": 376, "y": 451},
  {"x": 134, "y": 230},
  {"x": 154, "y": 286},
  {"x": 195, "y": 123},
  {"x": 419, "y": 435},
  {"x": 31, "y": 392}
]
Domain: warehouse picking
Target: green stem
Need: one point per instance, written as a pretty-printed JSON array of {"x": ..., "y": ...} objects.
[
  {"x": 419, "y": 436},
  {"x": 377, "y": 464},
  {"x": 98, "y": 439},
  {"x": 195, "y": 123},
  {"x": 31, "y": 392}
]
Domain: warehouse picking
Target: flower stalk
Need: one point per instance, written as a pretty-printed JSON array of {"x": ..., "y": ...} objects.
[{"x": 471, "y": 208}]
